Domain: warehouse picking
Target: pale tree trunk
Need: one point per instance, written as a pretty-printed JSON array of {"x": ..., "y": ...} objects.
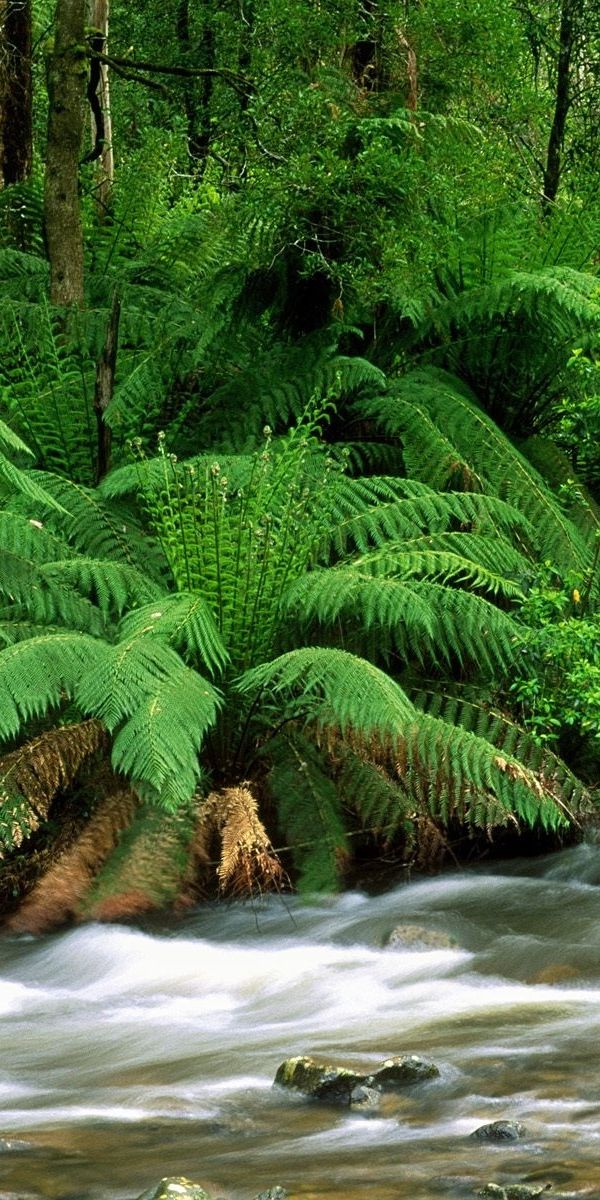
[
  {"x": 15, "y": 91},
  {"x": 97, "y": 19},
  {"x": 67, "y": 73}
]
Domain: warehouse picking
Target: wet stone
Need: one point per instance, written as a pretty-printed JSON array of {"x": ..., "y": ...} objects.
[
  {"x": 402, "y": 1071},
  {"x": 416, "y": 937},
  {"x": 274, "y": 1193},
  {"x": 333, "y": 1085},
  {"x": 367, "y": 1099},
  {"x": 175, "y": 1187},
  {"x": 500, "y": 1131},
  {"x": 517, "y": 1191}
]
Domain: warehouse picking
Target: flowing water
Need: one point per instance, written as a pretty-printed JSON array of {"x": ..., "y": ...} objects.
[{"x": 128, "y": 1054}]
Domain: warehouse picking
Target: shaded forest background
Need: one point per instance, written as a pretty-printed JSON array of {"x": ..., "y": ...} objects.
[{"x": 300, "y": 414}]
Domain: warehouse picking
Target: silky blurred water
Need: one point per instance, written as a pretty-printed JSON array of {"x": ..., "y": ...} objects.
[{"x": 130, "y": 1054}]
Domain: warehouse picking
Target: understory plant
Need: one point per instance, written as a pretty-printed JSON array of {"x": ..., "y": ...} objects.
[{"x": 256, "y": 642}]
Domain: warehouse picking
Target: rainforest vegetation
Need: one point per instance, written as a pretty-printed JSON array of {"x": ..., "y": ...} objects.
[{"x": 299, "y": 441}]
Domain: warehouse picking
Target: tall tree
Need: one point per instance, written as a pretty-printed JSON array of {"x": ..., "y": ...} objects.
[
  {"x": 570, "y": 11},
  {"x": 15, "y": 91},
  {"x": 67, "y": 73},
  {"x": 99, "y": 97}
]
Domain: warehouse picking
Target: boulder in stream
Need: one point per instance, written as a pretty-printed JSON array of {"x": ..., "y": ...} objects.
[
  {"x": 175, "y": 1187},
  {"x": 500, "y": 1131},
  {"x": 274, "y": 1193},
  {"x": 339, "y": 1085},
  {"x": 334, "y": 1085},
  {"x": 402, "y": 1071}
]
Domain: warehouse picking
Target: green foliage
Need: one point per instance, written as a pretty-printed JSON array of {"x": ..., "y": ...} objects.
[{"x": 557, "y": 685}]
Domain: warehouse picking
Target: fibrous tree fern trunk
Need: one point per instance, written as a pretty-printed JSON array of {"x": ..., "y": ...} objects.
[{"x": 62, "y": 210}]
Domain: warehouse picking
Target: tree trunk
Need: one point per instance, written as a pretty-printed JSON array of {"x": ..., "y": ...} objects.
[
  {"x": 67, "y": 72},
  {"x": 15, "y": 91},
  {"x": 566, "y": 47},
  {"x": 97, "y": 19},
  {"x": 197, "y": 94}
]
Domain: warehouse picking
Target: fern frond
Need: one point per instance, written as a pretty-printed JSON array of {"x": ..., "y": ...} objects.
[
  {"x": 490, "y": 564},
  {"x": 486, "y": 721},
  {"x": 383, "y": 804},
  {"x": 502, "y": 469},
  {"x": 125, "y": 676},
  {"x": 98, "y": 528},
  {"x": 186, "y": 622},
  {"x": 338, "y": 687},
  {"x": 457, "y": 775},
  {"x": 367, "y": 513},
  {"x": 31, "y": 776},
  {"x": 158, "y": 745},
  {"x": 309, "y": 811},
  {"x": 46, "y": 601},
  {"x": 112, "y": 586},
  {"x": 36, "y": 675}
]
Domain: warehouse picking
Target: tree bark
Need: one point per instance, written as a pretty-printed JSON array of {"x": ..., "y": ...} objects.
[
  {"x": 97, "y": 19},
  {"x": 15, "y": 91},
  {"x": 197, "y": 96},
  {"x": 566, "y": 47},
  {"x": 67, "y": 72},
  {"x": 105, "y": 385}
]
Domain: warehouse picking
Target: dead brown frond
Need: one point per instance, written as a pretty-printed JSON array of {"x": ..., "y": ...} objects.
[
  {"x": 248, "y": 863},
  {"x": 57, "y": 896},
  {"x": 31, "y": 776}
]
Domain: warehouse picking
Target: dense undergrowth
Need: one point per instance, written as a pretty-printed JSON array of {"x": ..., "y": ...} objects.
[{"x": 320, "y": 581}]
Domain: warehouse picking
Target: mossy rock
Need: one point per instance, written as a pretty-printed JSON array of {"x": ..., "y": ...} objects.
[
  {"x": 334, "y": 1085},
  {"x": 175, "y": 1187},
  {"x": 402, "y": 1071},
  {"x": 339, "y": 1085}
]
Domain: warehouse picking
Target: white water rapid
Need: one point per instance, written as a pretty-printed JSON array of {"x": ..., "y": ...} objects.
[{"x": 129, "y": 1054}]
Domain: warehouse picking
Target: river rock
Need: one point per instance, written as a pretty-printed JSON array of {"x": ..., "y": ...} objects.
[
  {"x": 334, "y": 1085},
  {"x": 514, "y": 1191},
  {"x": 175, "y": 1187},
  {"x": 339, "y": 1085},
  {"x": 416, "y": 937},
  {"x": 500, "y": 1131},
  {"x": 402, "y": 1071},
  {"x": 274, "y": 1193}
]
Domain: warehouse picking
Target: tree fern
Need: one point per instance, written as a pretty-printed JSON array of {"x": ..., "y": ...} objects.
[
  {"x": 335, "y": 688},
  {"x": 309, "y": 812},
  {"x": 32, "y": 775},
  {"x": 422, "y": 400}
]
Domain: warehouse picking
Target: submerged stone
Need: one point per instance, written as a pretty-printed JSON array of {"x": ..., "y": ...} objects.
[
  {"x": 500, "y": 1131},
  {"x": 175, "y": 1187},
  {"x": 274, "y": 1193},
  {"x": 402, "y": 1071},
  {"x": 416, "y": 937}
]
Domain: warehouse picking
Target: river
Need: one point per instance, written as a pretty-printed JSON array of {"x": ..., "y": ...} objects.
[{"x": 127, "y": 1054}]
